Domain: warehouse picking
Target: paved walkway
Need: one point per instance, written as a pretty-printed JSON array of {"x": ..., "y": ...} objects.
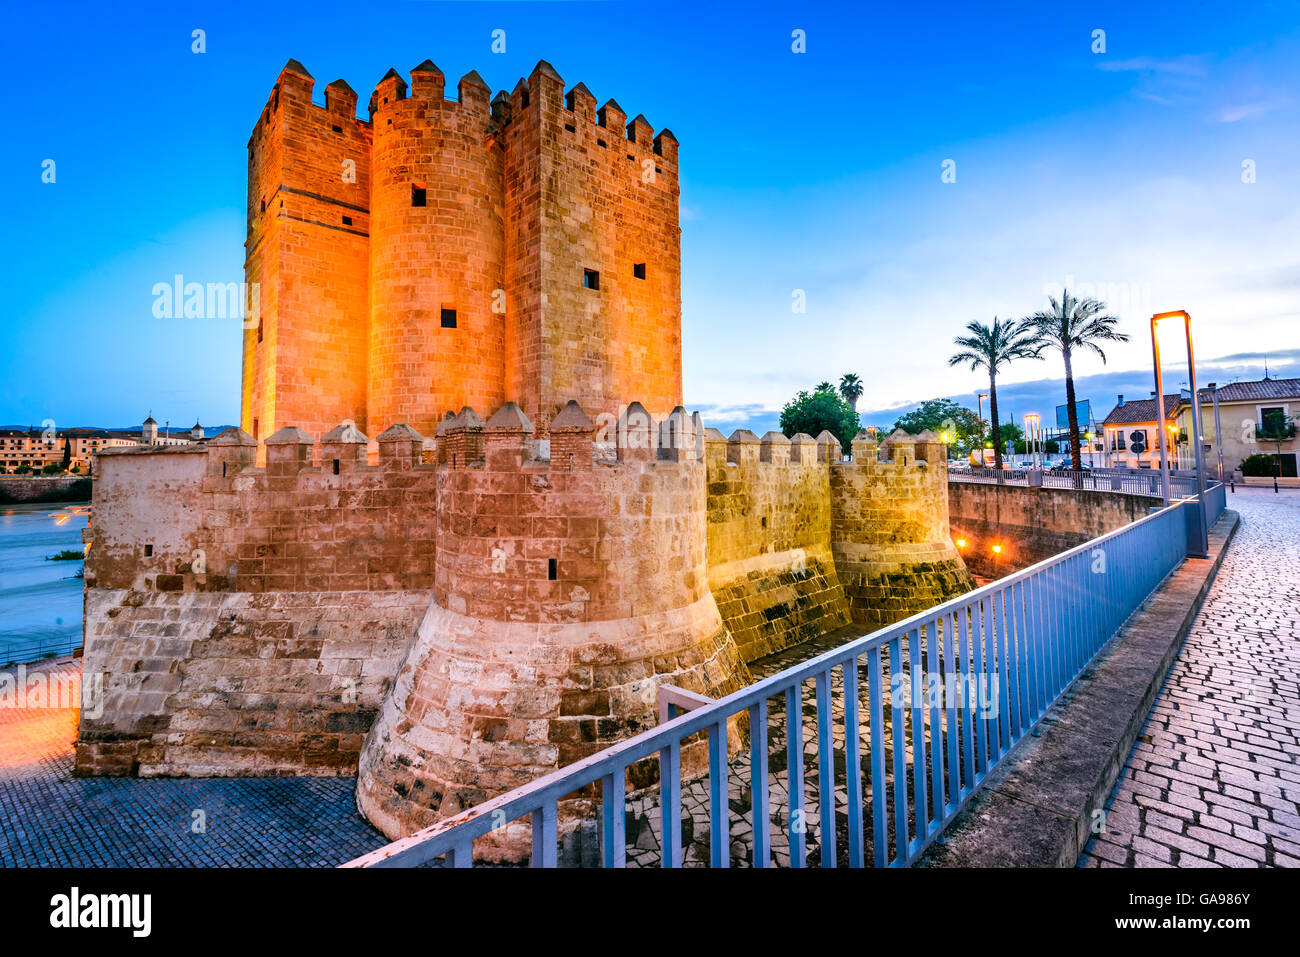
[
  {"x": 1214, "y": 779},
  {"x": 48, "y": 818}
]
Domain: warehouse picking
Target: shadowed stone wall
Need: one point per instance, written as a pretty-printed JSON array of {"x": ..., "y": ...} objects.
[{"x": 1031, "y": 524}]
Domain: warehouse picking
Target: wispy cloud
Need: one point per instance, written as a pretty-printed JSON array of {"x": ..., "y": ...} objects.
[
  {"x": 1236, "y": 112},
  {"x": 1187, "y": 65}
]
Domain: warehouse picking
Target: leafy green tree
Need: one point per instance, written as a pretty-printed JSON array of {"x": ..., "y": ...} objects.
[
  {"x": 821, "y": 410},
  {"x": 959, "y": 426},
  {"x": 991, "y": 348},
  {"x": 1068, "y": 326},
  {"x": 52, "y": 468},
  {"x": 1015, "y": 435},
  {"x": 851, "y": 389}
]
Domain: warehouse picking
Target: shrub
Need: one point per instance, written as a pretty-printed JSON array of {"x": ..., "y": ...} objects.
[{"x": 1257, "y": 465}]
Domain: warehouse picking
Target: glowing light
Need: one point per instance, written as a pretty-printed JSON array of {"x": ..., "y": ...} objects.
[
  {"x": 961, "y": 543},
  {"x": 997, "y": 549}
]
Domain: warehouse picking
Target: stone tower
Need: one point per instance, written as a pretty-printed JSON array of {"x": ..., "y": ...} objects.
[{"x": 457, "y": 252}]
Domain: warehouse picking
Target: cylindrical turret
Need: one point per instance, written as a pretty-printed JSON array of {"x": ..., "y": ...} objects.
[{"x": 437, "y": 252}]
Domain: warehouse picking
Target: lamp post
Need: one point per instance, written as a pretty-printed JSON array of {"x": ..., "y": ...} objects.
[
  {"x": 1218, "y": 429},
  {"x": 1031, "y": 436},
  {"x": 979, "y": 400},
  {"x": 1200, "y": 545}
]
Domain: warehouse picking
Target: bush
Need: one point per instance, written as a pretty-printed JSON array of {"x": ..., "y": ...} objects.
[
  {"x": 52, "y": 468},
  {"x": 1261, "y": 466}
]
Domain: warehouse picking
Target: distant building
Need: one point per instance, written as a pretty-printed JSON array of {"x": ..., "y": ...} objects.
[
  {"x": 37, "y": 448},
  {"x": 1244, "y": 409}
]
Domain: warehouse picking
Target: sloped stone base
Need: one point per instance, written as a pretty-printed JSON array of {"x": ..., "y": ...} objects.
[
  {"x": 481, "y": 707},
  {"x": 885, "y": 585},
  {"x": 233, "y": 683},
  {"x": 778, "y": 600}
]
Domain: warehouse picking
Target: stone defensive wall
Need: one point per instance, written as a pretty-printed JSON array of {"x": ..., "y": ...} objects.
[
  {"x": 1029, "y": 524},
  {"x": 889, "y": 529},
  {"x": 249, "y": 620},
  {"x": 770, "y": 564},
  {"x": 480, "y": 608}
]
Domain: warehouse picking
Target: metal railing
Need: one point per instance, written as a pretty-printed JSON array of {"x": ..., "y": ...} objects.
[
  {"x": 1129, "y": 481},
  {"x": 946, "y": 695},
  {"x": 38, "y": 649}
]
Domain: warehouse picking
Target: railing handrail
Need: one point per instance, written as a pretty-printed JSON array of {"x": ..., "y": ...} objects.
[{"x": 533, "y": 798}]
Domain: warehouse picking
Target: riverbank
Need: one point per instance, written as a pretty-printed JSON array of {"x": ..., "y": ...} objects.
[{"x": 44, "y": 489}]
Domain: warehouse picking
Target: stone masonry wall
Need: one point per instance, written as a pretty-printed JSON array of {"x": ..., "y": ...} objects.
[
  {"x": 889, "y": 529},
  {"x": 228, "y": 600},
  {"x": 227, "y": 683},
  {"x": 770, "y": 564},
  {"x": 1031, "y": 524}
]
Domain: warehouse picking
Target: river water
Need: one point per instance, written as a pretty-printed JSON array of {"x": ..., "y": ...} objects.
[{"x": 40, "y": 600}]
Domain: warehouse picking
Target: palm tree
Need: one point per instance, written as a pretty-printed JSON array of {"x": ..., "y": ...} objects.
[
  {"x": 851, "y": 389},
  {"x": 991, "y": 348},
  {"x": 1069, "y": 325},
  {"x": 824, "y": 386}
]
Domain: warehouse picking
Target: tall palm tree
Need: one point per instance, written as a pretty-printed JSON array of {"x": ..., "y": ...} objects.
[
  {"x": 824, "y": 386},
  {"x": 851, "y": 389},
  {"x": 1072, "y": 324},
  {"x": 991, "y": 348}
]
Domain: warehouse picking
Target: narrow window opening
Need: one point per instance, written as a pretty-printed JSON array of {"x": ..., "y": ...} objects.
[
  {"x": 336, "y": 469},
  {"x": 347, "y": 220},
  {"x": 418, "y": 196},
  {"x": 256, "y": 430},
  {"x": 148, "y": 551},
  {"x": 630, "y": 156},
  {"x": 765, "y": 521},
  {"x": 570, "y": 461},
  {"x": 259, "y": 330},
  {"x": 523, "y": 99},
  {"x": 570, "y": 128},
  {"x": 638, "y": 270},
  {"x": 338, "y": 129},
  {"x": 449, "y": 318},
  {"x": 591, "y": 279},
  {"x": 223, "y": 469},
  {"x": 601, "y": 143},
  {"x": 551, "y": 569}
]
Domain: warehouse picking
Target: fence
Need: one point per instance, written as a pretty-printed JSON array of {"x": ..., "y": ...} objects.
[
  {"x": 36, "y": 649},
  {"x": 1129, "y": 481},
  {"x": 927, "y": 709}
]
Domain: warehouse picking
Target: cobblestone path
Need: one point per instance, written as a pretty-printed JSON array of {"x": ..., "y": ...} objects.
[
  {"x": 1214, "y": 779},
  {"x": 48, "y": 818}
]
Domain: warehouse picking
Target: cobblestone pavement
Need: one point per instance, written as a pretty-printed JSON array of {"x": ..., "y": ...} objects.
[
  {"x": 1214, "y": 779},
  {"x": 49, "y": 818}
]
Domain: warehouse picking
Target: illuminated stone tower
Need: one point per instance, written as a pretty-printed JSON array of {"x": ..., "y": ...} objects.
[{"x": 457, "y": 252}]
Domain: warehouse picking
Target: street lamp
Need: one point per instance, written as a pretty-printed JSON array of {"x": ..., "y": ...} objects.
[
  {"x": 1031, "y": 435},
  {"x": 1201, "y": 544},
  {"x": 979, "y": 400}
]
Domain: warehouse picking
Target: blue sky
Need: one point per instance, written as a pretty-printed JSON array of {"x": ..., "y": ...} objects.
[{"x": 1118, "y": 171}]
